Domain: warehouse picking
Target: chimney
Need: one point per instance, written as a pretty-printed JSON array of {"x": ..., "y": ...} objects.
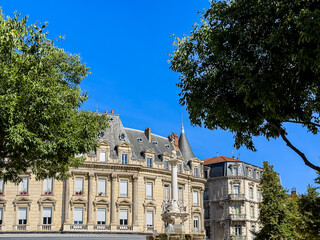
[
  {"x": 147, "y": 132},
  {"x": 174, "y": 139},
  {"x": 105, "y": 111},
  {"x": 293, "y": 192},
  {"x": 112, "y": 112}
]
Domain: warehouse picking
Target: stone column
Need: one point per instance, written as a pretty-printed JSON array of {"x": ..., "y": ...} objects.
[
  {"x": 90, "y": 193},
  {"x": 135, "y": 200},
  {"x": 66, "y": 201},
  {"x": 174, "y": 182},
  {"x": 113, "y": 199}
]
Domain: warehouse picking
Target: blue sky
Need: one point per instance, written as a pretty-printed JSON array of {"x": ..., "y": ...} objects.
[{"x": 127, "y": 44}]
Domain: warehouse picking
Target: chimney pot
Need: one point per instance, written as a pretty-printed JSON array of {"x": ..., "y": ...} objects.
[
  {"x": 105, "y": 111},
  {"x": 147, "y": 132},
  {"x": 112, "y": 112}
]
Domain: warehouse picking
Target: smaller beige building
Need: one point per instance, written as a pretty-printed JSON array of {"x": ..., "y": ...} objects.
[{"x": 231, "y": 198}]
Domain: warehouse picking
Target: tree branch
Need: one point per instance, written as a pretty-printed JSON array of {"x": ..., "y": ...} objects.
[
  {"x": 306, "y": 123},
  {"x": 282, "y": 133}
]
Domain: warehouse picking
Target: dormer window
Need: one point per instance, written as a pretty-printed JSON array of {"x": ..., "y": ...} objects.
[
  {"x": 235, "y": 171},
  {"x": 195, "y": 171},
  {"x": 139, "y": 139},
  {"x": 124, "y": 159},
  {"x": 167, "y": 145},
  {"x": 122, "y": 136},
  {"x": 155, "y": 143},
  {"x": 149, "y": 162}
]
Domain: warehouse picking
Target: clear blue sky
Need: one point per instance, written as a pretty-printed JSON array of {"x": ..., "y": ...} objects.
[{"x": 126, "y": 45}]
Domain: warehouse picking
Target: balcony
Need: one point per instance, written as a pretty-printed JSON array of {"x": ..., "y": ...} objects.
[
  {"x": 238, "y": 237},
  {"x": 21, "y": 227},
  {"x": 237, "y": 217},
  {"x": 102, "y": 227},
  {"x": 124, "y": 227},
  {"x": 150, "y": 228},
  {"x": 45, "y": 227},
  {"x": 236, "y": 197},
  {"x": 79, "y": 226}
]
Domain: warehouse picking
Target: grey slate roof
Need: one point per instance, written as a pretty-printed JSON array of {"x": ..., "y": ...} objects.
[{"x": 184, "y": 147}]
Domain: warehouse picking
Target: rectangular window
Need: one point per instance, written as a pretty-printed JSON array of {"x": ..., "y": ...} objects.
[
  {"x": 251, "y": 193},
  {"x": 149, "y": 218},
  {"x": 24, "y": 185},
  {"x": 180, "y": 167},
  {"x": 237, "y": 209},
  {"x": 238, "y": 231},
  {"x": 124, "y": 158},
  {"x": 149, "y": 190},
  {"x": 180, "y": 194},
  {"x": 206, "y": 194},
  {"x": 195, "y": 171},
  {"x": 47, "y": 216},
  {"x": 79, "y": 186},
  {"x": 235, "y": 171},
  {"x": 166, "y": 192},
  {"x": 123, "y": 216},
  {"x": 196, "y": 224},
  {"x": 1, "y": 214},
  {"x": 78, "y": 214},
  {"x": 259, "y": 195},
  {"x": 166, "y": 165},
  {"x": 252, "y": 212},
  {"x": 47, "y": 185},
  {"x": 149, "y": 162},
  {"x": 101, "y": 187},
  {"x": 123, "y": 188},
  {"x": 207, "y": 212},
  {"x": 1, "y": 187},
  {"x": 195, "y": 198},
  {"x": 236, "y": 189},
  {"x": 101, "y": 216},
  {"x": 102, "y": 156},
  {"x": 22, "y": 215}
]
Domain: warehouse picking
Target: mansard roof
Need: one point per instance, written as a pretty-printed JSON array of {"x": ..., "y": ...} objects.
[{"x": 219, "y": 159}]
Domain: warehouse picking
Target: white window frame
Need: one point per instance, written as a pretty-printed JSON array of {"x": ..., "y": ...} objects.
[
  {"x": 48, "y": 186},
  {"x": 24, "y": 185},
  {"x": 103, "y": 156},
  {"x": 123, "y": 188},
  {"x": 22, "y": 216},
  {"x": 234, "y": 187},
  {"x": 251, "y": 192},
  {"x": 1, "y": 216},
  {"x": 78, "y": 185},
  {"x": 101, "y": 216},
  {"x": 195, "y": 172},
  {"x": 195, "y": 198},
  {"x": 252, "y": 211},
  {"x": 102, "y": 190},
  {"x": 149, "y": 218},
  {"x": 180, "y": 193},
  {"x": 149, "y": 190},
  {"x": 237, "y": 209},
  {"x": 259, "y": 195},
  {"x": 238, "y": 230},
  {"x": 123, "y": 216},
  {"x": 196, "y": 223},
  {"x": 235, "y": 171},
  {"x": 1, "y": 187},
  {"x": 166, "y": 192},
  {"x": 76, "y": 219},
  {"x": 47, "y": 216}
]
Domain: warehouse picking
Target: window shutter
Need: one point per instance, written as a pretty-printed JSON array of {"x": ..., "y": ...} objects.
[
  {"x": 123, "y": 214},
  {"x": 0, "y": 214},
  {"x": 102, "y": 156},
  {"x": 78, "y": 214},
  {"x": 101, "y": 215},
  {"x": 46, "y": 212},
  {"x": 22, "y": 213},
  {"x": 149, "y": 218},
  {"x": 102, "y": 186},
  {"x": 79, "y": 184},
  {"x": 195, "y": 197},
  {"x": 149, "y": 189},
  {"x": 123, "y": 188}
]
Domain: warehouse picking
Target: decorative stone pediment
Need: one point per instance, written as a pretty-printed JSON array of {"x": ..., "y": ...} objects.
[
  {"x": 22, "y": 200},
  {"x": 149, "y": 203},
  {"x": 78, "y": 200},
  {"x": 124, "y": 202},
  {"x": 196, "y": 209},
  {"x": 104, "y": 143},
  {"x": 101, "y": 201},
  {"x": 235, "y": 182},
  {"x": 124, "y": 145},
  {"x": 165, "y": 154},
  {"x": 150, "y": 151},
  {"x": 46, "y": 200}
]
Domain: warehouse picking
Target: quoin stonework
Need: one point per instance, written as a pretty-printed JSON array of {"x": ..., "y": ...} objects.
[{"x": 123, "y": 186}]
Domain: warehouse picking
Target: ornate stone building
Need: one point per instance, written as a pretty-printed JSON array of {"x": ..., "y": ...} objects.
[
  {"x": 231, "y": 198},
  {"x": 121, "y": 187}
]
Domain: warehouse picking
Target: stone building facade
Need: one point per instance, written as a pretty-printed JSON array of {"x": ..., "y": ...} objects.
[
  {"x": 231, "y": 198},
  {"x": 121, "y": 187}
]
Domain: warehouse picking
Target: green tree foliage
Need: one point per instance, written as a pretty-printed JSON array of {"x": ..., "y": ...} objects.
[
  {"x": 309, "y": 207},
  {"x": 41, "y": 128},
  {"x": 274, "y": 209},
  {"x": 252, "y": 66}
]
